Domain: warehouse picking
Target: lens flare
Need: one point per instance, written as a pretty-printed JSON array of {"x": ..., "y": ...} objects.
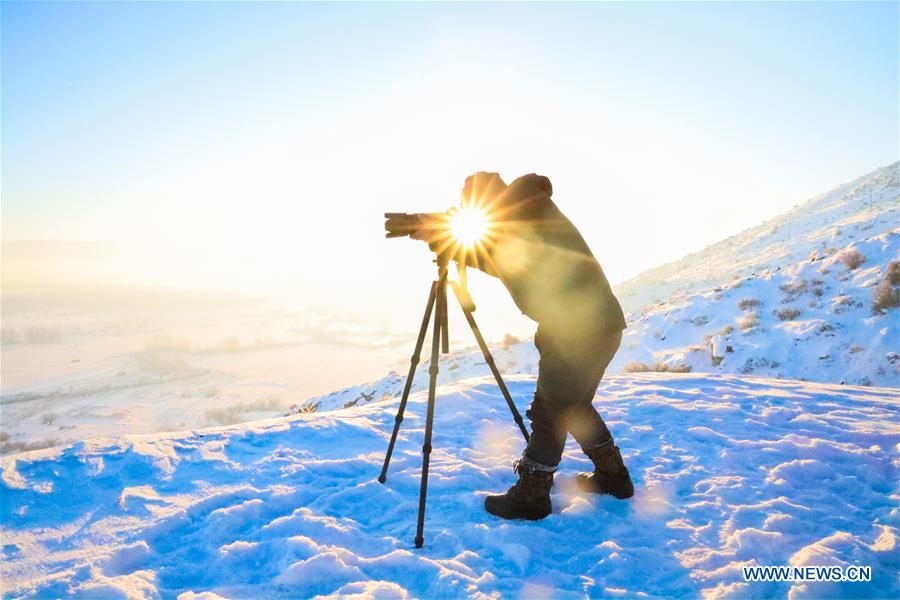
[{"x": 468, "y": 225}]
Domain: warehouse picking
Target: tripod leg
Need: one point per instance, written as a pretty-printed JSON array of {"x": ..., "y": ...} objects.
[
  {"x": 439, "y": 318},
  {"x": 445, "y": 331},
  {"x": 409, "y": 379},
  {"x": 466, "y": 304}
]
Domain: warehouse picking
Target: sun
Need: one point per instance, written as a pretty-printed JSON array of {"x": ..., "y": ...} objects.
[{"x": 469, "y": 224}]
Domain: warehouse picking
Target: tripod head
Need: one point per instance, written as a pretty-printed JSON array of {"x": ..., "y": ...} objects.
[{"x": 461, "y": 285}]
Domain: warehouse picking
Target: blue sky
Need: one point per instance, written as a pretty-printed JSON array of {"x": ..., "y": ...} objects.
[{"x": 244, "y": 135}]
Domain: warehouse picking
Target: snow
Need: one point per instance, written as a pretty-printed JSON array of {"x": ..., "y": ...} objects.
[{"x": 729, "y": 470}]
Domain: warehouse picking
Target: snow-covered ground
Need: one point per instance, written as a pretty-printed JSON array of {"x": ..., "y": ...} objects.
[
  {"x": 812, "y": 320},
  {"x": 729, "y": 471}
]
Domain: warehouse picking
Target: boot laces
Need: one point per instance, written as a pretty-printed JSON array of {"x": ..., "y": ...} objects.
[{"x": 530, "y": 481}]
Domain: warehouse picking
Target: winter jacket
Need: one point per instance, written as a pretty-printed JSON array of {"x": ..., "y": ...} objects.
[{"x": 541, "y": 258}]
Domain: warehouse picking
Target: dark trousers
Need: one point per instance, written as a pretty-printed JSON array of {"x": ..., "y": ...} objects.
[{"x": 569, "y": 372}]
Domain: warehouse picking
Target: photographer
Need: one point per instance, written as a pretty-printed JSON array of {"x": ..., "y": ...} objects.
[{"x": 555, "y": 280}]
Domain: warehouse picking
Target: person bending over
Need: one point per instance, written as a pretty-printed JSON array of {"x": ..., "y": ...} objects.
[{"x": 554, "y": 279}]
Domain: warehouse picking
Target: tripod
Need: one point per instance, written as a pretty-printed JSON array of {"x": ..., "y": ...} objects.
[{"x": 437, "y": 303}]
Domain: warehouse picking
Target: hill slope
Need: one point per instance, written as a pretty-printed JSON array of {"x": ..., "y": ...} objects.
[
  {"x": 863, "y": 208},
  {"x": 729, "y": 471},
  {"x": 791, "y": 298}
]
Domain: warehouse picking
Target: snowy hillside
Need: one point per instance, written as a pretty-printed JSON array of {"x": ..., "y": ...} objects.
[
  {"x": 729, "y": 471},
  {"x": 863, "y": 208},
  {"x": 812, "y": 320},
  {"x": 787, "y": 299},
  {"x": 798, "y": 304}
]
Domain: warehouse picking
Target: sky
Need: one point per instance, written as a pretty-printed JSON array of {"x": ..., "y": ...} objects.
[{"x": 255, "y": 146}]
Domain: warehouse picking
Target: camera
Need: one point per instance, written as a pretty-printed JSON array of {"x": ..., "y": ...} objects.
[
  {"x": 404, "y": 224},
  {"x": 464, "y": 227}
]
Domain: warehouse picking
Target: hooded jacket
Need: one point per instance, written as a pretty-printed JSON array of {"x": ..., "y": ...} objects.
[{"x": 541, "y": 257}]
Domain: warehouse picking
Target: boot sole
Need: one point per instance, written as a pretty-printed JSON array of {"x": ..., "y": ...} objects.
[
  {"x": 509, "y": 516},
  {"x": 590, "y": 489}
]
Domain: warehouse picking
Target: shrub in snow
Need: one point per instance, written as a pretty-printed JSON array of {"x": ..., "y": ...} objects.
[
  {"x": 887, "y": 292},
  {"x": 826, "y": 328},
  {"x": 748, "y": 322},
  {"x": 787, "y": 314},
  {"x": 509, "y": 340},
  {"x": 758, "y": 363},
  {"x": 853, "y": 258},
  {"x": 893, "y": 272},
  {"x": 700, "y": 320},
  {"x": 302, "y": 409},
  {"x": 748, "y": 303},
  {"x": 794, "y": 287},
  {"x": 885, "y": 296},
  {"x": 856, "y": 348}
]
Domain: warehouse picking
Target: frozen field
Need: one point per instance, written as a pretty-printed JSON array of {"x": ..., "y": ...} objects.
[
  {"x": 69, "y": 375},
  {"x": 729, "y": 471}
]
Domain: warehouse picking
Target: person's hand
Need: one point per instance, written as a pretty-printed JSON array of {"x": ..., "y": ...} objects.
[{"x": 430, "y": 230}]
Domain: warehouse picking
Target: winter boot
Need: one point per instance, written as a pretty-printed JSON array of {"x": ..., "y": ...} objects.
[
  {"x": 610, "y": 475},
  {"x": 528, "y": 499}
]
